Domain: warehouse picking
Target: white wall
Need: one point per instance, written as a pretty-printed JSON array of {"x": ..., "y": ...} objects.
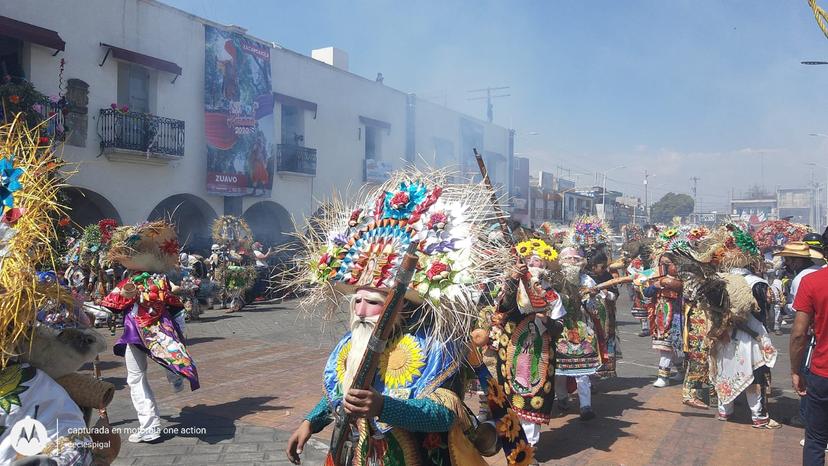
[{"x": 154, "y": 29}]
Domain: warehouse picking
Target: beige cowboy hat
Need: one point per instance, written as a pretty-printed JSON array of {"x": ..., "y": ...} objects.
[{"x": 799, "y": 249}]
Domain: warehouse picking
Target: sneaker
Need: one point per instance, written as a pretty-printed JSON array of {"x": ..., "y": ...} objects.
[
  {"x": 587, "y": 413},
  {"x": 769, "y": 424},
  {"x": 145, "y": 435},
  {"x": 644, "y": 333},
  {"x": 722, "y": 417},
  {"x": 661, "y": 382}
]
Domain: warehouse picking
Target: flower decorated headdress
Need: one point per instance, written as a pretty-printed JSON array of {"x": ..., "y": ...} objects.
[
  {"x": 536, "y": 247},
  {"x": 727, "y": 247},
  {"x": 148, "y": 247},
  {"x": 589, "y": 230},
  {"x": 232, "y": 232},
  {"x": 684, "y": 239},
  {"x": 362, "y": 245},
  {"x": 29, "y": 182},
  {"x": 777, "y": 233}
]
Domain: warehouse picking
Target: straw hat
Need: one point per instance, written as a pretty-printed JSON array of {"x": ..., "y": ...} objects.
[{"x": 799, "y": 249}]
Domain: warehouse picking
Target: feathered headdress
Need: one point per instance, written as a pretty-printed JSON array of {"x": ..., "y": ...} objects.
[
  {"x": 29, "y": 183},
  {"x": 362, "y": 245}
]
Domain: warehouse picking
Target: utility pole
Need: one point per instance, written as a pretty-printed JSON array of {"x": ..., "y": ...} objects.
[
  {"x": 488, "y": 98},
  {"x": 695, "y": 181},
  {"x": 646, "y": 198}
]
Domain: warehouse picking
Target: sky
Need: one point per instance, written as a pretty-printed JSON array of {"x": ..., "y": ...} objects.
[{"x": 681, "y": 88}]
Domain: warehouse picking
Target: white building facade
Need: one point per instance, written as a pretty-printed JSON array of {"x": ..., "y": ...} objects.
[{"x": 332, "y": 128}]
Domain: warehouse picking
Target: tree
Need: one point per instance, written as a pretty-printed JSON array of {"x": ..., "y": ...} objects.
[{"x": 671, "y": 205}]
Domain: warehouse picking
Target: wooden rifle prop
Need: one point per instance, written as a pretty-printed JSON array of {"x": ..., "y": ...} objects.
[
  {"x": 501, "y": 218},
  {"x": 618, "y": 281},
  {"x": 342, "y": 442}
]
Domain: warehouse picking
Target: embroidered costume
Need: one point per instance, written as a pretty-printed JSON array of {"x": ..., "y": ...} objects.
[
  {"x": 423, "y": 419},
  {"x": 149, "y": 305},
  {"x": 527, "y": 329}
]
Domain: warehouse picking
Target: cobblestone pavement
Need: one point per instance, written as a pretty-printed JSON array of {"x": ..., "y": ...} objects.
[{"x": 260, "y": 373}]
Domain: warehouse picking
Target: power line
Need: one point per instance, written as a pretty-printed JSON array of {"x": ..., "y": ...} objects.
[{"x": 488, "y": 98}]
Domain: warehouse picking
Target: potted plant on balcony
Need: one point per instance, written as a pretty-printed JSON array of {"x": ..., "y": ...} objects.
[{"x": 18, "y": 95}]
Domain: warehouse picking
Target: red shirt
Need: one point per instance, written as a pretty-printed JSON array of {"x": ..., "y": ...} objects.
[{"x": 812, "y": 298}]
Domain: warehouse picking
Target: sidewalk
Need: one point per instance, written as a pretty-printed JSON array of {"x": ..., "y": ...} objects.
[{"x": 261, "y": 373}]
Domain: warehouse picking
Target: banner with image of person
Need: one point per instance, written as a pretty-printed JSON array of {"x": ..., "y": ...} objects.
[{"x": 238, "y": 114}]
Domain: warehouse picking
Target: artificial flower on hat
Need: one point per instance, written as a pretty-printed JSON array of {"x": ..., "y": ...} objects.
[{"x": 363, "y": 244}]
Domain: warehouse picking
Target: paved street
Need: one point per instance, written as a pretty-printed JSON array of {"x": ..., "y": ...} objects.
[{"x": 260, "y": 372}]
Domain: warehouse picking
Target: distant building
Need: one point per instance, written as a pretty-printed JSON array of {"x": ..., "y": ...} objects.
[
  {"x": 753, "y": 211},
  {"x": 797, "y": 203}
]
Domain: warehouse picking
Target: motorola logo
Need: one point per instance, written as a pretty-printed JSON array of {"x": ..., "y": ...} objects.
[{"x": 28, "y": 437}]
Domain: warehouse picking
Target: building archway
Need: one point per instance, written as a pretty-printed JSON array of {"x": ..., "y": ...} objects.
[
  {"x": 269, "y": 221},
  {"x": 193, "y": 218},
  {"x": 86, "y": 207}
]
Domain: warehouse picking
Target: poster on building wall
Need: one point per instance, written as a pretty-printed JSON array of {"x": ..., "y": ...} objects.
[{"x": 238, "y": 115}]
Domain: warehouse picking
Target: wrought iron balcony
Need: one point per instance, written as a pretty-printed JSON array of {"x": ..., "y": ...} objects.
[
  {"x": 296, "y": 159},
  {"x": 133, "y": 133}
]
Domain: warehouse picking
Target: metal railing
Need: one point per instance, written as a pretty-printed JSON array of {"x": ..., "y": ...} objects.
[
  {"x": 296, "y": 159},
  {"x": 141, "y": 132}
]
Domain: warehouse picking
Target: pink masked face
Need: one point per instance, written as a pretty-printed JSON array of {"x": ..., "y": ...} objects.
[
  {"x": 368, "y": 303},
  {"x": 534, "y": 261}
]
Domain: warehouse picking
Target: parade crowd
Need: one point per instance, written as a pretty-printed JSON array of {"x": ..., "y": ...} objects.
[{"x": 446, "y": 301}]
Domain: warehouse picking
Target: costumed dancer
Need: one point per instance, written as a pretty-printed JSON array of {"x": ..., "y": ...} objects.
[
  {"x": 636, "y": 253},
  {"x": 412, "y": 414},
  {"x": 591, "y": 234},
  {"x": 665, "y": 315},
  {"x": 698, "y": 391},
  {"x": 741, "y": 352},
  {"x": 38, "y": 360},
  {"x": 526, "y": 327},
  {"x": 147, "y": 301},
  {"x": 235, "y": 270},
  {"x": 578, "y": 350}
]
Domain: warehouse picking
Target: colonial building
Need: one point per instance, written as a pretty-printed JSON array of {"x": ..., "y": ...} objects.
[{"x": 133, "y": 73}]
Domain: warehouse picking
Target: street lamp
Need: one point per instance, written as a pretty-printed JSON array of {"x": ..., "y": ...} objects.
[
  {"x": 826, "y": 173},
  {"x": 604, "y": 192}
]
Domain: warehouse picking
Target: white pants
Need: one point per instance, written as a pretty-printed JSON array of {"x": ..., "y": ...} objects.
[
  {"x": 584, "y": 390},
  {"x": 755, "y": 403},
  {"x": 143, "y": 399},
  {"x": 532, "y": 431},
  {"x": 666, "y": 360}
]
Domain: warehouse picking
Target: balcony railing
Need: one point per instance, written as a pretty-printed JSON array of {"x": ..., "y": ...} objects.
[
  {"x": 130, "y": 131},
  {"x": 296, "y": 159}
]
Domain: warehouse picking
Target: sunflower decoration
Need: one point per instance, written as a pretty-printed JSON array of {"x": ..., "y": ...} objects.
[
  {"x": 537, "y": 247},
  {"x": 341, "y": 359},
  {"x": 518, "y": 402},
  {"x": 536, "y": 402},
  {"x": 402, "y": 363},
  {"x": 522, "y": 455},
  {"x": 508, "y": 426},
  {"x": 669, "y": 233},
  {"x": 495, "y": 393}
]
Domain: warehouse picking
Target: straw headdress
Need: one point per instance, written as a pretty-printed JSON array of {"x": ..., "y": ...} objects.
[
  {"x": 362, "y": 245},
  {"x": 29, "y": 183}
]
